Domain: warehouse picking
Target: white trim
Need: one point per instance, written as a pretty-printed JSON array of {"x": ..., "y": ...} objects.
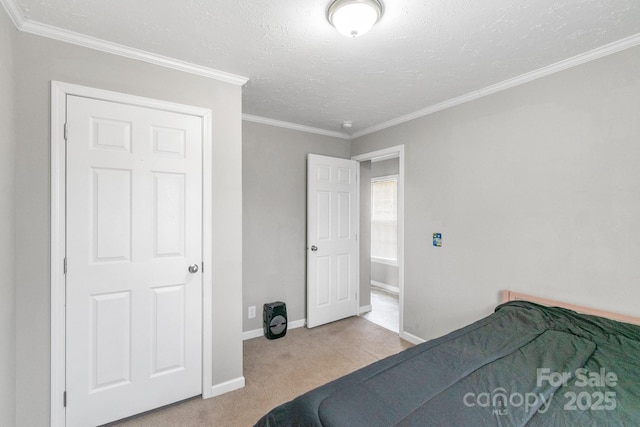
[
  {"x": 392, "y": 177},
  {"x": 14, "y": 12},
  {"x": 226, "y": 387},
  {"x": 44, "y": 30},
  {"x": 58, "y": 253},
  {"x": 294, "y": 126},
  {"x": 297, "y": 324},
  {"x": 574, "y": 61},
  {"x": 123, "y": 98},
  {"x": 357, "y": 233},
  {"x": 49, "y": 31},
  {"x": 207, "y": 256},
  {"x": 379, "y": 155},
  {"x": 256, "y": 333},
  {"x": 385, "y": 286},
  {"x": 59, "y": 93},
  {"x": 387, "y": 261},
  {"x": 411, "y": 338},
  {"x": 365, "y": 309},
  {"x": 383, "y": 154}
]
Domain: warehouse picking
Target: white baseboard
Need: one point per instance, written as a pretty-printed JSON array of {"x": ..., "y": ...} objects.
[
  {"x": 386, "y": 287},
  {"x": 259, "y": 332},
  {"x": 224, "y": 387},
  {"x": 411, "y": 338},
  {"x": 365, "y": 309}
]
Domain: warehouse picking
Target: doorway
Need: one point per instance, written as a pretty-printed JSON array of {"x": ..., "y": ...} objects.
[{"x": 382, "y": 271}]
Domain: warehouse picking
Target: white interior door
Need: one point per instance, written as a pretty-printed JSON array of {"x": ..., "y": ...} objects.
[
  {"x": 134, "y": 220},
  {"x": 332, "y": 246}
]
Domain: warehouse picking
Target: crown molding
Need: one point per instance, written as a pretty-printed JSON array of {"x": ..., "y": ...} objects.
[
  {"x": 294, "y": 126},
  {"x": 44, "y": 30},
  {"x": 14, "y": 12},
  {"x": 574, "y": 61},
  {"x": 59, "y": 34}
]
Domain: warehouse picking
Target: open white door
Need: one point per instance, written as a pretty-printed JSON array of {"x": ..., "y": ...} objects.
[
  {"x": 332, "y": 246},
  {"x": 134, "y": 249}
]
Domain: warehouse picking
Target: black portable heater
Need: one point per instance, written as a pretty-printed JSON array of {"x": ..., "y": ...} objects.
[{"x": 274, "y": 320}]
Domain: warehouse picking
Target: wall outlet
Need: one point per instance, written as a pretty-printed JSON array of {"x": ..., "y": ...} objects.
[{"x": 252, "y": 312}]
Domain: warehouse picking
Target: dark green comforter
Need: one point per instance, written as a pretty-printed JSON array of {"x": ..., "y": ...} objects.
[{"x": 523, "y": 365}]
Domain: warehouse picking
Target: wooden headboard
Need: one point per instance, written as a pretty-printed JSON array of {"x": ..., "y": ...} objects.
[{"x": 515, "y": 296}]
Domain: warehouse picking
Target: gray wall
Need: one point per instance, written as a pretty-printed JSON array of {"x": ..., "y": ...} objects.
[
  {"x": 535, "y": 188},
  {"x": 385, "y": 273},
  {"x": 40, "y": 60},
  {"x": 385, "y": 167},
  {"x": 274, "y": 215},
  {"x": 7, "y": 234}
]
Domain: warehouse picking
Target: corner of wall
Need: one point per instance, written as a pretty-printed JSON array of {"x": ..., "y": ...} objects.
[{"x": 7, "y": 222}]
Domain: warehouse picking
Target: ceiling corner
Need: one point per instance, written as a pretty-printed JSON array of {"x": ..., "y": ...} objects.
[{"x": 14, "y": 13}]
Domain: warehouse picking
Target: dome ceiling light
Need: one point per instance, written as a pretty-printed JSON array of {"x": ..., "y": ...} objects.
[{"x": 354, "y": 18}]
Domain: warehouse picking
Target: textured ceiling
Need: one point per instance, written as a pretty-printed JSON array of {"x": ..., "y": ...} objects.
[{"x": 302, "y": 71}]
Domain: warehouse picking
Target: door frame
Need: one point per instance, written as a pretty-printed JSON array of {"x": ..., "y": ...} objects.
[
  {"x": 59, "y": 93},
  {"x": 378, "y": 155}
]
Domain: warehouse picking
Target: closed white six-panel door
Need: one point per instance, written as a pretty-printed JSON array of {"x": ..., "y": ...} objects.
[
  {"x": 332, "y": 247},
  {"x": 134, "y": 221}
]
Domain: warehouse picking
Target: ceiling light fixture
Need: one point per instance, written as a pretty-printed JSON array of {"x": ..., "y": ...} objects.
[{"x": 353, "y": 18}]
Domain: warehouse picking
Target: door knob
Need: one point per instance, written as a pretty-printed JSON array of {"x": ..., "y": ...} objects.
[
  {"x": 314, "y": 248},
  {"x": 193, "y": 268}
]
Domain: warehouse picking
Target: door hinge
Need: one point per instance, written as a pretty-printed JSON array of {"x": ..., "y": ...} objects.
[
  {"x": 202, "y": 267},
  {"x": 64, "y": 268},
  {"x": 64, "y": 399},
  {"x": 65, "y": 131}
]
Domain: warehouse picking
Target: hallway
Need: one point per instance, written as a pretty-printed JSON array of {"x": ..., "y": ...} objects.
[{"x": 384, "y": 309}]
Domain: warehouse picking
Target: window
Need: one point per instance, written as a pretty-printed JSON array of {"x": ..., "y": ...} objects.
[{"x": 384, "y": 219}]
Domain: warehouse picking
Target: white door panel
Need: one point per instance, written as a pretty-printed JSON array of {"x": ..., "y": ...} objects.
[
  {"x": 332, "y": 251},
  {"x": 134, "y": 220}
]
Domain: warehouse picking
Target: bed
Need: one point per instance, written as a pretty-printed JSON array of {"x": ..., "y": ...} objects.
[{"x": 533, "y": 362}]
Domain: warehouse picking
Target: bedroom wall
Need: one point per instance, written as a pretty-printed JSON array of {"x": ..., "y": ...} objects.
[
  {"x": 274, "y": 188},
  {"x": 40, "y": 60},
  {"x": 385, "y": 167},
  {"x": 7, "y": 222},
  {"x": 385, "y": 274},
  {"x": 534, "y": 188}
]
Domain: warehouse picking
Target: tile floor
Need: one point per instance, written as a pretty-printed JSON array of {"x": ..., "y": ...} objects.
[{"x": 384, "y": 311}]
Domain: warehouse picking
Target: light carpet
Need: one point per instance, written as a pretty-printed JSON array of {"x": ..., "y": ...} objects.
[{"x": 278, "y": 370}]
